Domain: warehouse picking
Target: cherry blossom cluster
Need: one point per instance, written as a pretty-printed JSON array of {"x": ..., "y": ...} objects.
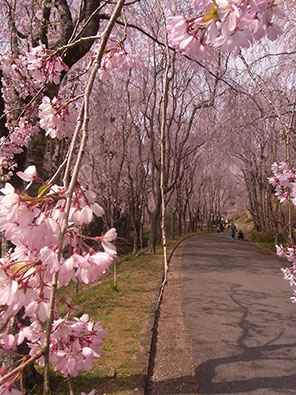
[
  {"x": 20, "y": 81},
  {"x": 16, "y": 83},
  {"x": 223, "y": 24},
  {"x": 284, "y": 182},
  {"x": 28, "y": 71},
  {"x": 115, "y": 59},
  {"x": 18, "y": 138},
  {"x": 74, "y": 343},
  {"x": 33, "y": 226},
  {"x": 25, "y": 74},
  {"x": 22, "y": 133},
  {"x": 55, "y": 117},
  {"x": 289, "y": 252},
  {"x": 7, "y": 167},
  {"x": 43, "y": 66}
]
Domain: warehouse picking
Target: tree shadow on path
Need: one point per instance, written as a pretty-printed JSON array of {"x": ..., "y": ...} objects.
[{"x": 205, "y": 374}]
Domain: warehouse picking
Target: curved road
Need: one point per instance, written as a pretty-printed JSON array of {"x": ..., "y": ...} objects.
[{"x": 238, "y": 311}]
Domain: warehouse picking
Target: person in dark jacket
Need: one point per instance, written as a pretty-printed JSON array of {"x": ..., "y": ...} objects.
[{"x": 240, "y": 235}]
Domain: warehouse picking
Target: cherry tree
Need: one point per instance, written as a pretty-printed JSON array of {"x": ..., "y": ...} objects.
[
  {"x": 42, "y": 226},
  {"x": 253, "y": 139}
]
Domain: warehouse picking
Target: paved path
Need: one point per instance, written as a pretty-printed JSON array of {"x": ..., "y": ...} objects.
[{"x": 241, "y": 321}]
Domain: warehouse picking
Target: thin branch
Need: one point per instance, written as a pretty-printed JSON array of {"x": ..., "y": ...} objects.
[
  {"x": 22, "y": 366},
  {"x": 73, "y": 44},
  {"x": 274, "y": 54}
]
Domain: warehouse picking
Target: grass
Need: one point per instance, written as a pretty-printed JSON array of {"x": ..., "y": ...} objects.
[
  {"x": 266, "y": 239},
  {"x": 123, "y": 312}
]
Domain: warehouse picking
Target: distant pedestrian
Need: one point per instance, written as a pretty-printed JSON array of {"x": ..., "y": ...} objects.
[
  {"x": 233, "y": 230},
  {"x": 240, "y": 235}
]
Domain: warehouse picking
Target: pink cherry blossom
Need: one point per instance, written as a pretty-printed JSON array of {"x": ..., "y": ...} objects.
[
  {"x": 50, "y": 259},
  {"x": 67, "y": 272},
  {"x": 74, "y": 343},
  {"x": 29, "y": 174},
  {"x": 7, "y": 167},
  {"x": 84, "y": 206},
  {"x": 33, "y": 226},
  {"x": 8, "y": 288},
  {"x": 224, "y": 24},
  {"x": 19, "y": 137},
  {"x": 91, "y": 267},
  {"x": 55, "y": 118},
  {"x": 284, "y": 182},
  {"x": 43, "y": 66},
  {"x": 116, "y": 59},
  {"x": 106, "y": 241},
  {"x": 289, "y": 252},
  {"x": 23, "y": 132}
]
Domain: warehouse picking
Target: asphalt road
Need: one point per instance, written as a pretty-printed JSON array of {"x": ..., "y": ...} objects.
[{"x": 239, "y": 315}]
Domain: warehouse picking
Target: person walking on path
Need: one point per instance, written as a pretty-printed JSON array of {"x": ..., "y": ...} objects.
[{"x": 233, "y": 230}]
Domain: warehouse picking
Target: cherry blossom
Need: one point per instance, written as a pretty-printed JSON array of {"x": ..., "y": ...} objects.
[
  {"x": 22, "y": 133},
  {"x": 25, "y": 273},
  {"x": 289, "y": 252},
  {"x": 223, "y": 24},
  {"x": 284, "y": 182},
  {"x": 19, "y": 77},
  {"x": 19, "y": 137},
  {"x": 29, "y": 174},
  {"x": 7, "y": 167},
  {"x": 43, "y": 66},
  {"x": 8, "y": 288},
  {"x": 107, "y": 238},
  {"x": 55, "y": 118},
  {"x": 84, "y": 207},
  {"x": 74, "y": 343},
  {"x": 33, "y": 226},
  {"x": 92, "y": 267},
  {"x": 116, "y": 59}
]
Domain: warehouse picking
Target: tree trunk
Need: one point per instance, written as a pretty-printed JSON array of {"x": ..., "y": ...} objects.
[{"x": 154, "y": 231}]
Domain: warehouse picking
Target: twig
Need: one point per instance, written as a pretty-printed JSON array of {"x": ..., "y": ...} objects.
[{"x": 23, "y": 365}]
